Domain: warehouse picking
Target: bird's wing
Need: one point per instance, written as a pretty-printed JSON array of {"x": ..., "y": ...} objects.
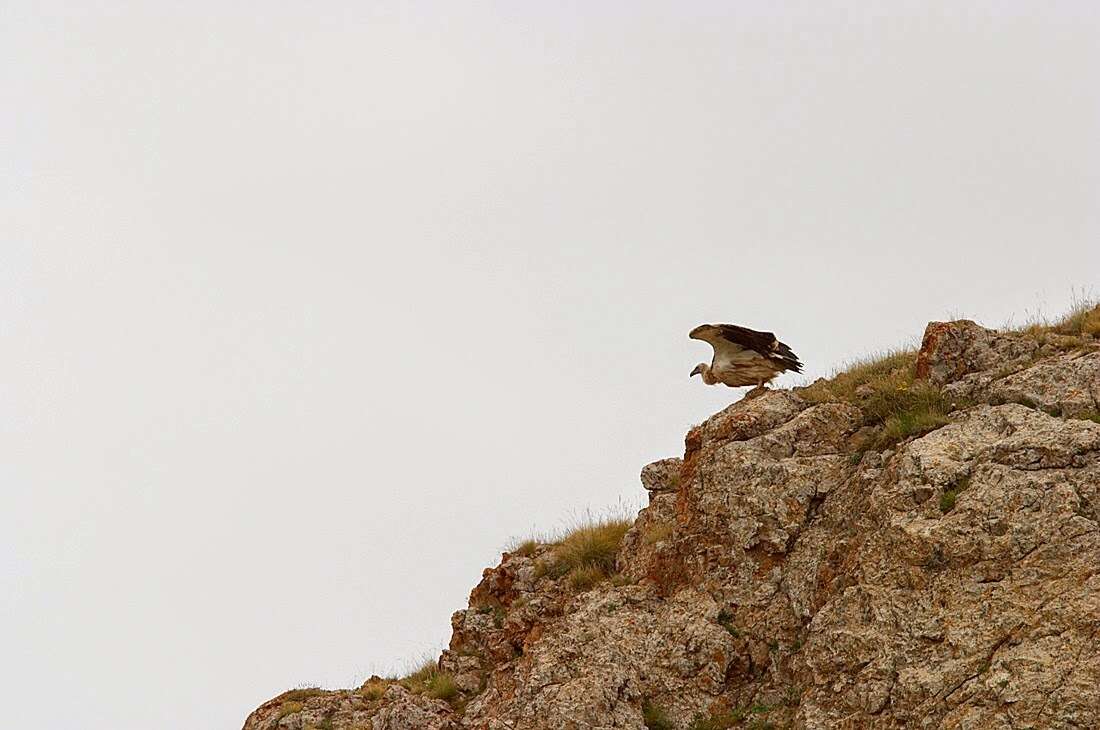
[{"x": 728, "y": 339}]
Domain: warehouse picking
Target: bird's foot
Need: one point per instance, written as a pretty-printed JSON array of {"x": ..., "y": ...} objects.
[{"x": 756, "y": 392}]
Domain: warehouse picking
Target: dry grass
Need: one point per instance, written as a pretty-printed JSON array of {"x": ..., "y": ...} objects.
[
  {"x": 373, "y": 689},
  {"x": 586, "y": 553},
  {"x": 442, "y": 686},
  {"x": 525, "y": 548},
  {"x": 886, "y": 390},
  {"x": 898, "y": 406},
  {"x": 427, "y": 679},
  {"x": 301, "y": 693},
  {"x": 1083, "y": 319},
  {"x": 883, "y": 372},
  {"x": 289, "y": 708},
  {"x": 658, "y": 532},
  {"x": 415, "y": 680},
  {"x": 585, "y": 577}
]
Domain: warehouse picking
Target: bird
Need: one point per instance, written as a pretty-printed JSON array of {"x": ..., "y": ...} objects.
[{"x": 743, "y": 356}]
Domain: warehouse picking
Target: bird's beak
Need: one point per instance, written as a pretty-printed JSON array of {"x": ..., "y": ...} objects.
[{"x": 696, "y": 371}]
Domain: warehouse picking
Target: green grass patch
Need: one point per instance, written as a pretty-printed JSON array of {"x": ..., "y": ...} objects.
[
  {"x": 718, "y": 720},
  {"x": 725, "y": 620},
  {"x": 427, "y": 679},
  {"x": 886, "y": 391},
  {"x": 655, "y": 717},
  {"x": 920, "y": 413},
  {"x": 441, "y": 686},
  {"x": 879, "y": 373}
]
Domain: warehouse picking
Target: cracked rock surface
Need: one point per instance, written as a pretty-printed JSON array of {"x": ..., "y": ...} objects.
[{"x": 784, "y": 576}]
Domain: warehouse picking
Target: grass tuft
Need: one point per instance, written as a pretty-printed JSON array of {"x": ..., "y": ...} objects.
[
  {"x": 585, "y": 577},
  {"x": 373, "y": 690},
  {"x": 882, "y": 372},
  {"x": 655, "y": 717},
  {"x": 658, "y": 532},
  {"x": 302, "y": 693},
  {"x": 923, "y": 412},
  {"x": 725, "y": 620},
  {"x": 1083, "y": 319},
  {"x": 525, "y": 548},
  {"x": 289, "y": 708},
  {"x": 442, "y": 686},
  {"x": 886, "y": 390},
  {"x": 428, "y": 680},
  {"x": 586, "y": 554},
  {"x": 717, "y": 720}
]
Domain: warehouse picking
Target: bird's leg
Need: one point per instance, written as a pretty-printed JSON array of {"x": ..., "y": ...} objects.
[{"x": 757, "y": 391}]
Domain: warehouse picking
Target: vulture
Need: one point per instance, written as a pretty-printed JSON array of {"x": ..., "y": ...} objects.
[{"x": 743, "y": 356}]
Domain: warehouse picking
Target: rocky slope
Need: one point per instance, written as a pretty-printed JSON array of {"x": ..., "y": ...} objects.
[{"x": 792, "y": 571}]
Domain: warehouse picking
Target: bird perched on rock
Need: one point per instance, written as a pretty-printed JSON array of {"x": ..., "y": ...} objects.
[{"x": 743, "y": 356}]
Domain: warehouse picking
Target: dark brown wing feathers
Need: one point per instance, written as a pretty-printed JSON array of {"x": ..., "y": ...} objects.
[{"x": 763, "y": 343}]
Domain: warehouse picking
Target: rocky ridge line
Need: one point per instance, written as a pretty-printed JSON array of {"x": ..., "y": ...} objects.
[{"x": 783, "y": 575}]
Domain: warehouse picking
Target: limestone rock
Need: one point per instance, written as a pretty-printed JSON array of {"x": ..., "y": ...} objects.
[
  {"x": 782, "y": 574},
  {"x": 662, "y": 476},
  {"x": 951, "y": 350}
]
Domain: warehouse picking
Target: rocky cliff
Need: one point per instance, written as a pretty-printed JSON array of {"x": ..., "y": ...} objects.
[{"x": 916, "y": 544}]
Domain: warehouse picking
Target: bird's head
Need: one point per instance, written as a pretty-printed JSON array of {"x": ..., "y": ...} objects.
[
  {"x": 703, "y": 332},
  {"x": 699, "y": 369}
]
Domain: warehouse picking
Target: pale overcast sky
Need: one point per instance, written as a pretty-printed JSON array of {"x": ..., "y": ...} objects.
[{"x": 309, "y": 307}]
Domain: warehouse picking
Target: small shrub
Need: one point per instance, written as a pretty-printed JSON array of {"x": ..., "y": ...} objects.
[
  {"x": 655, "y": 717},
  {"x": 725, "y": 620},
  {"x": 947, "y": 500}
]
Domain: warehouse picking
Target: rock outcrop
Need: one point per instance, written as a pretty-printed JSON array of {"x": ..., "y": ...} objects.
[{"x": 784, "y": 575}]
